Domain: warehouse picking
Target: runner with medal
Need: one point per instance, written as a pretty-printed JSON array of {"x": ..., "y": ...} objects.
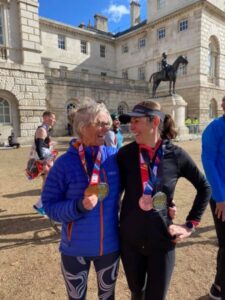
[
  {"x": 82, "y": 192},
  {"x": 150, "y": 168}
]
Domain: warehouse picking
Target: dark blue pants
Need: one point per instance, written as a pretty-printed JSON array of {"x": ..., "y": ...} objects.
[
  {"x": 220, "y": 268},
  {"x": 75, "y": 270},
  {"x": 148, "y": 272}
]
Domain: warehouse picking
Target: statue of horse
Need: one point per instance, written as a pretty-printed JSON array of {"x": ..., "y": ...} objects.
[{"x": 169, "y": 75}]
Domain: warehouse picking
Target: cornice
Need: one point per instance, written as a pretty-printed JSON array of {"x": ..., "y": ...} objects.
[{"x": 73, "y": 30}]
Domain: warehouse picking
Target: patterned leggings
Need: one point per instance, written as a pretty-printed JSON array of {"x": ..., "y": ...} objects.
[{"x": 75, "y": 270}]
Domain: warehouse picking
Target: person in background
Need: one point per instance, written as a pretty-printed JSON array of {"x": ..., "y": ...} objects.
[
  {"x": 195, "y": 124},
  {"x": 82, "y": 192},
  {"x": 213, "y": 160},
  {"x": 150, "y": 168},
  {"x": 12, "y": 140},
  {"x": 188, "y": 123},
  {"x": 43, "y": 151},
  {"x": 114, "y": 137}
]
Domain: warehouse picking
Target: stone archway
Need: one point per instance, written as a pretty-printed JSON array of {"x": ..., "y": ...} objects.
[{"x": 10, "y": 122}]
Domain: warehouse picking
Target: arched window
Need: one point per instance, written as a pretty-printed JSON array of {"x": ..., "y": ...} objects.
[
  {"x": 213, "y": 109},
  {"x": 213, "y": 52},
  {"x": 4, "y": 111},
  {"x": 122, "y": 108}
]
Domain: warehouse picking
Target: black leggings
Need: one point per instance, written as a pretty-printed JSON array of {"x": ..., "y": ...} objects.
[
  {"x": 75, "y": 270},
  {"x": 149, "y": 272},
  {"x": 220, "y": 268}
]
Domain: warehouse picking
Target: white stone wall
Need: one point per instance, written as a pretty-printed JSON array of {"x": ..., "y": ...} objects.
[{"x": 71, "y": 57}]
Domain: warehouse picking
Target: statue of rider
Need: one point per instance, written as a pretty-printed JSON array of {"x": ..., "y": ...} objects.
[{"x": 164, "y": 64}]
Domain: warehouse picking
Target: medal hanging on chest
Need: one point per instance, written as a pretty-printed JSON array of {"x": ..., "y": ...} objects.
[
  {"x": 149, "y": 176},
  {"x": 101, "y": 189}
]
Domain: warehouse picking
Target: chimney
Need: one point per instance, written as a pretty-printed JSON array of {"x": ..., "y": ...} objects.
[
  {"x": 134, "y": 12},
  {"x": 101, "y": 22}
]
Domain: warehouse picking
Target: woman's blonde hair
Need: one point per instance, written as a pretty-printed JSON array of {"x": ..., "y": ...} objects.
[{"x": 85, "y": 113}]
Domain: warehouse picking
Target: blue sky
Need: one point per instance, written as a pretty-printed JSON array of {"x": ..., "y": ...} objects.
[{"x": 74, "y": 12}]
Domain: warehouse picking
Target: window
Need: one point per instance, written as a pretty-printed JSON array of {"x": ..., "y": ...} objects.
[
  {"x": 102, "y": 50},
  {"x": 4, "y": 111},
  {"x": 125, "y": 74},
  {"x": 161, "y": 3},
  {"x": 141, "y": 73},
  {"x": 83, "y": 47},
  {"x": 61, "y": 42},
  {"x": 125, "y": 48},
  {"x": 212, "y": 57},
  {"x": 213, "y": 109},
  {"x": 103, "y": 74},
  {"x": 141, "y": 43},
  {"x": 161, "y": 33},
  {"x": 183, "y": 25}
]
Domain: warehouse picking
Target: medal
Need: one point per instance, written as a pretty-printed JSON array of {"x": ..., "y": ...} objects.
[
  {"x": 145, "y": 202},
  {"x": 101, "y": 190},
  {"x": 159, "y": 201}
]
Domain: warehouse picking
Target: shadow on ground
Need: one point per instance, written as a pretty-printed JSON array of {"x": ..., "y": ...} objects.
[
  {"x": 23, "y": 226},
  {"x": 30, "y": 193}
]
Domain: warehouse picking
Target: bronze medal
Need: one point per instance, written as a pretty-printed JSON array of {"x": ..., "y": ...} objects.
[
  {"x": 159, "y": 201},
  {"x": 145, "y": 202}
]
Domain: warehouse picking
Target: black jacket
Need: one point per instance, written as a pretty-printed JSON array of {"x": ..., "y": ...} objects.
[{"x": 138, "y": 226}]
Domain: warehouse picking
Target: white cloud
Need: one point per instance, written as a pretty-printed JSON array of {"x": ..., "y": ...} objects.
[{"x": 116, "y": 12}]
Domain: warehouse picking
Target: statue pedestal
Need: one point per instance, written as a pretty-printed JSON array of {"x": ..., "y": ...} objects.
[{"x": 175, "y": 105}]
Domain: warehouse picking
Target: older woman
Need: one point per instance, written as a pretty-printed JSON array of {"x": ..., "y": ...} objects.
[
  {"x": 150, "y": 168},
  {"x": 82, "y": 192}
]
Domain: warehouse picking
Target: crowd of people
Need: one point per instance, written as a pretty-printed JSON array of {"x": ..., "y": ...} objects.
[{"x": 116, "y": 201}]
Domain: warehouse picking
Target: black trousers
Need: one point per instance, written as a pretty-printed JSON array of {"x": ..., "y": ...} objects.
[
  {"x": 220, "y": 232},
  {"x": 148, "y": 272}
]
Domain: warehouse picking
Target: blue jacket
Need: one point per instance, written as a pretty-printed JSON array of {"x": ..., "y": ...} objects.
[
  {"x": 213, "y": 157},
  {"x": 84, "y": 233}
]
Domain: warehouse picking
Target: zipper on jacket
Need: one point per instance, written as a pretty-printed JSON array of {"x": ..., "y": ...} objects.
[
  {"x": 101, "y": 228},
  {"x": 69, "y": 231},
  {"x": 101, "y": 218}
]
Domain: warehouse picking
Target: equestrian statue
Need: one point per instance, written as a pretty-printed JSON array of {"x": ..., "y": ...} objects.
[{"x": 168, "y": 73}]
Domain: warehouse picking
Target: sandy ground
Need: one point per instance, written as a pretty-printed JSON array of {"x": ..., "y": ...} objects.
[{"x": 29, "y": 260}]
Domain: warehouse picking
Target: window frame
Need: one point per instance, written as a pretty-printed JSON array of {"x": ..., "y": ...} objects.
[
  {"x": 141, "y": 43},
  {"x": 141, "y": 75},
  {"x": 102, "y": 51},
  {"x": 84, "y": 46},
  {"x": 9, "y": 114},
  {"x": 125, "y": 74},
  {"x": 61, "y": 42},
  {"x": 161, "y": 33},
  {"x": 125, "y": 48},
  {"x": 161, "y": 4},
  {"x": 182, "y": 26}
]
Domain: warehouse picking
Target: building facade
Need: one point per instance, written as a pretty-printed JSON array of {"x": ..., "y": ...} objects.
[{"x": 45, "y": 64}]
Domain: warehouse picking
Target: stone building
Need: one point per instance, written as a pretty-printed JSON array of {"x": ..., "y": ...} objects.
[{"x": 45, "y": 64}]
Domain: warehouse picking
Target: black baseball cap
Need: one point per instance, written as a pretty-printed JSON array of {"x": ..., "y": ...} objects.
[{"x": 141, "y": 111}]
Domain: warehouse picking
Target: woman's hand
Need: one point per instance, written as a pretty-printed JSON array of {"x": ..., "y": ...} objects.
[
  {"x": 172, "y": 211},
  {"x": 89, "y": 202},
  {"x": 181, "y": 232}
]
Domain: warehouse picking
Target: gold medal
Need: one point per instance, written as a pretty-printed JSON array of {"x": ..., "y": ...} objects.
[
  {"x": 101, "y": 190},
  {"x": 159, "y": 201}
]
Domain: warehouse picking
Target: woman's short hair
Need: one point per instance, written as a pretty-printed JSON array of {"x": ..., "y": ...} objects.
[{"x": 85, "y": 114}]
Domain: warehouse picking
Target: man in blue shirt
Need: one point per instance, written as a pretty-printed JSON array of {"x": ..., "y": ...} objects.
[{"x": 213, "y": 159}]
